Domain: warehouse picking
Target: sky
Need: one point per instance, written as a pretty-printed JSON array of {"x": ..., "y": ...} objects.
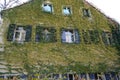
[{"x": 108, "y": 7}]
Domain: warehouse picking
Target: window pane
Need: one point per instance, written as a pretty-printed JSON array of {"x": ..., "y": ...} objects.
[
  {"x": 77, "y": 36},
  {"x": 67, "y": 36},
  {"x": 94, "y": 36},
  {"x": 70, "y": 36},
  {"x": 11, "y": 32},
  {"x": 63, "y": 36},
  {"x": 28, "y": 33},
  {"x": 47, "y": 8},
  {"x": 116, "y": 36},
  {"x": 107, "y": 38},
  {"x": 86, "y": 38},
  {"x": 66, "y": 11},
  {"x": 86, "y": 12},
  {"x": 45, "y": 34}
]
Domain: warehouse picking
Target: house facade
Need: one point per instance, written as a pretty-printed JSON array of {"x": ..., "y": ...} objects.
[{"x": 64, "y": 35}]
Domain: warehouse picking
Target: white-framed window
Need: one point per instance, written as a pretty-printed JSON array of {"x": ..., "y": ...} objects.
[
  {"x": 70, "y": 36},
  {"x": 47, "y": 7},
  {"x": 66, "y": 10},
  {"x": 19, "y": 34}
]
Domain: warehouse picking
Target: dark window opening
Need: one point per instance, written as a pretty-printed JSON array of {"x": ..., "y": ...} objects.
[
  {"x": 17, "y": 35},
  {"x": 28, "y": 30},
  {"x": 107, "y": 76},
  {"x": 11, "y": 32},
  {"x": 107, "y": 38},
  {"x": 64, "y": 77},
  {"x": 86, "y": 12},
  {"x": 70, "y": 36},
  {"x": 71, "y": 77},
  {"x": 94, "y": 36},
  {"x": 56, "y": 76},
  {"x": 83, "y": 76},
  {"x": 85, "y": 36},
  {"x": 116, "y": 35},
  {"x": 44, "y": 34},
  {"x": 92, "y": 76}
]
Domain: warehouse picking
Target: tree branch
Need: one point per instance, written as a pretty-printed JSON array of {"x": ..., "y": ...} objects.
[
  {"x": 1, "y": 5},
  {"x": 7, "y": 4},
  {"x": 11, "y": 3}
]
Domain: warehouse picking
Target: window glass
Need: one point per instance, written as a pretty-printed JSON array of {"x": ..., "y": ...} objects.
[
  {"x": 85, "y": 36},
  {"x": 66, "y": 11},
  {"x": 86, "y": 12},
  {"x": 19, "y": 33},
  {"x": 94, "y": 36},
  {"x": 107, "y": 38},
  {"x": 47, "y": 7},
  {"x": 44, "y": 34},
  {"x": 70, "y": 36}
]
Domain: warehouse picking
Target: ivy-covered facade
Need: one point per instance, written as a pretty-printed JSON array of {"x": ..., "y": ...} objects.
[{"x": 92, "y": 37}]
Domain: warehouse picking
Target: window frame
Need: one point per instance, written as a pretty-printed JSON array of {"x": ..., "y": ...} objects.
[
  {"x": 47, "y": 3},
  {"x": 70, "y": 10},
  {"x": 107, "y": 38},
  {"x": 87, "y": 12},
  {"x": 94, "y": 36},
  {"x": 75, "y": 39},
  {"x": 40, "y": 34}
]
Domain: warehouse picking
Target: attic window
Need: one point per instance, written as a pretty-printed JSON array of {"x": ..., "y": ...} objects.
[
  {"x": 70, "y": 36},
  {"x": 45, "y": 34},
  {"x": 47, "y": 7},
  {"x": 66, "y": 10},
  {"x": 107, "y": 38},
  {"x": 86, "y": 12}
]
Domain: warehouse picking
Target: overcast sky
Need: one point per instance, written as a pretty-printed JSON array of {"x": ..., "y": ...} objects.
[{"x": 108, "y": 7}]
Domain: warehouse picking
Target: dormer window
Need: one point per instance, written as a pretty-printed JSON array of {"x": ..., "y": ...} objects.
[
  {"x": 70, "y": 36},
  {"x": 86, "y": 12},
  {"x": 47, "y": 7},
  {"x": 66, "y": 10}
]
